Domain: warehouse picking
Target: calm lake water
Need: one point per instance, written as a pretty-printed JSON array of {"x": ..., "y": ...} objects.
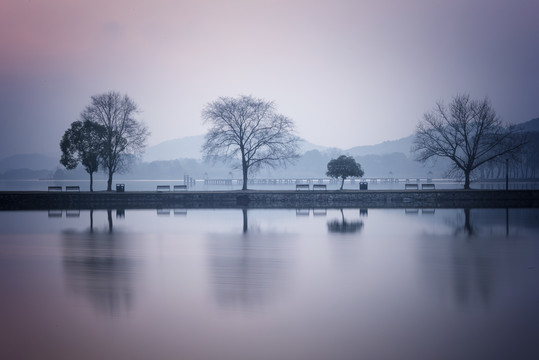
[{"x": 270, "y": 284}]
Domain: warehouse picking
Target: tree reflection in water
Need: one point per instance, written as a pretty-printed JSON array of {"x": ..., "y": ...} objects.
[
  {"x": 98, "y": 269},
  {"x": 248, "y": 269},
  {"x": 344, "y": 226},
  {"x": 475, "y": 258}
]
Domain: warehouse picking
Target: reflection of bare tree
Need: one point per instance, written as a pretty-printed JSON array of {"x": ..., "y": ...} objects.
[
  {"x": 344, "y": 226},
  {"x": 97, "y": 269},
  {"x": 469, "y": 257},
  {"x": 468, "y": 228},
  {"x": 473, "y": 273},
  {"x": 91, "y": 220},
  {"x": 247, "y": 269},
  {"x": 109, "y": 217},
  {"x": 245, "y": 221}
]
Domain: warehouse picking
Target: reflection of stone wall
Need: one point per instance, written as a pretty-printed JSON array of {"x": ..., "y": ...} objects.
[
  {"x": 247, "y": 270},
  {"x": 97, "y": 269}
]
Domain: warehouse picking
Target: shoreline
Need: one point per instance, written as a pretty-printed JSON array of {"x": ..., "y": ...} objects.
[{"x": 85, "y": 200}]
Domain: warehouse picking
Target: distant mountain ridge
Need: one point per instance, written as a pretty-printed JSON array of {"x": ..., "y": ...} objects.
[
  {"x": 181, "y": 148},
  {"x": 29, "y": 161},
  {"x": 532, "y": 125},
  {"x": 402, "y": 145},
  {"x": 189, "y": 148}
]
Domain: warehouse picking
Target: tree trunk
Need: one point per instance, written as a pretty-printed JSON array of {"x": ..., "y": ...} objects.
[
  {"x": 91, "y": 181},
  {"x": 467, "y": 179},
  {"x": 109, "y": 181},
  {"x": 342, "y": 183},
  {"x": 244, "y": 171}
]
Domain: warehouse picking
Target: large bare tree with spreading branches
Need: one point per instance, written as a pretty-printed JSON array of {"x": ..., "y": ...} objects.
[
  {"x": 247, "y": 132},
  {"x": 468, "y": 133},
  {"x": 124, "y": 138}
]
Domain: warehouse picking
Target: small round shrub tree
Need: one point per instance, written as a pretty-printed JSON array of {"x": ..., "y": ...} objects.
[{"x": 344, "y": 167}]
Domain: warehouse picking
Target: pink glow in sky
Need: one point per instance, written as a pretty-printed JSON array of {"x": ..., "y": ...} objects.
[{"x": 348, "y": 72}]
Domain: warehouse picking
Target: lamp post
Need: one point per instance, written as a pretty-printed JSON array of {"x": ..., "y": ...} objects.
[{"x": 506, "y": 174}]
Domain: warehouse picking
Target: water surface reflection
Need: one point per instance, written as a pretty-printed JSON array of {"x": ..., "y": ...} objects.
[
  {"x": 98, "y": 268},
  {"x": 344, "y": 226},
  {"x": 250, "y": 268},
  {"x": 270, "y": 284}
]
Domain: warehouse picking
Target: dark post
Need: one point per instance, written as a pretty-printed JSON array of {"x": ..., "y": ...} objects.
[
  {"x": 507, "y": 222},
  {"x": 506, "y": 174}
]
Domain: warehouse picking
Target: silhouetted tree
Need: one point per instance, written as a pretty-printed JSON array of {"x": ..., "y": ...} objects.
[
  {"x": 83, "y": 143},
  {"x": 344, "y": 167},
  {"x": 125, "y": 137},
  {"x": 248, "y": 130},
  {"x": 467, "y": 132}
]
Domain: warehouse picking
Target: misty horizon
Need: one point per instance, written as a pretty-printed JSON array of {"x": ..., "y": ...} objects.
[{"x": 347, "y": 73}]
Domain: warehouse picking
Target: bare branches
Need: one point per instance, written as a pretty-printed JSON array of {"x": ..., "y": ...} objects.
[
  {"x": 125, "y": 137},
  {"x": 468, "y": 132},
  {"x": 247, "y": 130}
]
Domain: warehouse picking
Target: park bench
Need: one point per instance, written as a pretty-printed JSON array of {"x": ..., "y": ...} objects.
[
  {"x": 320, "y": 187},
  {"x": 163, "y": 187},
  {"x": 163, "y": 212},
  {"x": 55, "y": 213},
  {"x": 412, "y": 211},
  {"x": 302, "y": 186},
  {"x": 411, "y": 187},
  {"x": 320, "y": 212},
  {"x": 70, "y": 213},
  {"x": 55, "y": 188},
  {"x": 180, "y": 187},
  {"x": 363, "y": 185},
  {"x": 427, "y": 187},
  {"x": 73, "y": 188}
]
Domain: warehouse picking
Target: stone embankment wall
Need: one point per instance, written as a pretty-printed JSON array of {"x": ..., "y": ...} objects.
[{"x": 270, "y": 199}]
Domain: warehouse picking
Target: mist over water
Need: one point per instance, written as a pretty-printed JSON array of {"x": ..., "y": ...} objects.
[{"x": 270, "y": 284}]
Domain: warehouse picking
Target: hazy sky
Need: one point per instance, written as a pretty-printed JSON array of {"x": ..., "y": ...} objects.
[{"x": 348, "y": 72}]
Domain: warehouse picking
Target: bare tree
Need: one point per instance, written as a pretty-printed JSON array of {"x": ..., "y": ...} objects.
[
  {"x": 83, "y": 143},
  {"x": 125, "y": 137},
  {"x": 467, "y": 132},
  {"x": 247, "y": 132}
]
